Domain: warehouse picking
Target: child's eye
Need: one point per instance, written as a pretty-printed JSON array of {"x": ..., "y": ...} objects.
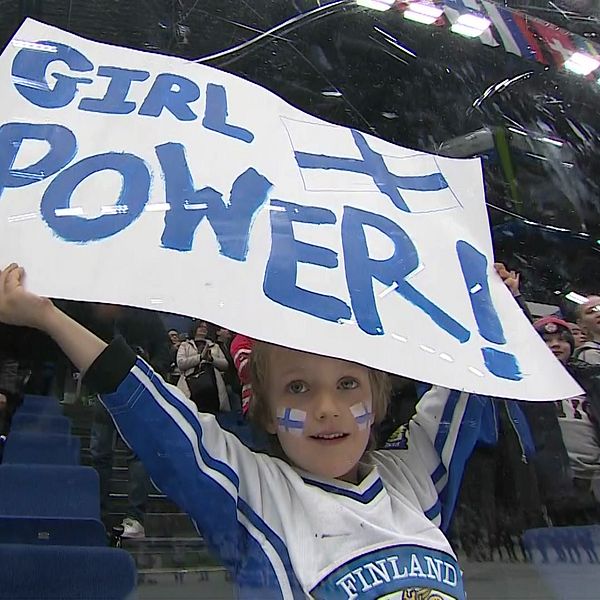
[
  {"x": 297, "y": 387},
  {"x": 348, "y": 383}
]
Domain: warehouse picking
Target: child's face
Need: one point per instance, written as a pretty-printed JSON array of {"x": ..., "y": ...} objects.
[
  {"x": 321, "y": 411},
  {"x": 558, "y": 346}
]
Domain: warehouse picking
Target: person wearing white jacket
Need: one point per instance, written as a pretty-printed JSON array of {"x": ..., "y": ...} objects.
[{"x": 197, "y": 349}]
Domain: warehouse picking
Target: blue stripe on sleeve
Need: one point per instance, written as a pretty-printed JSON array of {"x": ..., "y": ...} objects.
[
  {"x": 438, "y": 473},
  {"x": 277, "y": 544},
  {"x": 434, "y": 511},
  {"x": 224, "y": 469},
  {"x": 207, "y": 502},
  {"x": 446, "y": 421},
  {"x": 190, "y": 417},
  {"x": 465, "y": 442}
]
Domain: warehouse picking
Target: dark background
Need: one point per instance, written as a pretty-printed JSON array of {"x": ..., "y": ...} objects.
[{"x": 428, "y": 102}]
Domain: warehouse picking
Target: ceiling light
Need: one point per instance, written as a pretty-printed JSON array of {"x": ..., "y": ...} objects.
[
  {"x": 474, "y": 22},
  {"x": 465, "y": 31},
  {"x": 582, "y": 64},
  {"x": 376, "y": 4},
  {"x": 424, "y": 8},
  {"x": 411, "y": 15},
  {"x": 332, "y": 93},
  {"x": 577, "y": 298},
  {"x": 554, "y": 142},
  {"x": 517, "y": 131}
]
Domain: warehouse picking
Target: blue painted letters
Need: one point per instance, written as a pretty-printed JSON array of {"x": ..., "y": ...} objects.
[
  {"x": 132, "y": 199},
  {"x": 29, "y": 74},
  {"x": 188, "y": 206},
  {"x": 173, "y": 93},
  {"x": 286, "y": 252},
  {"x": 474, "y": 268},
  {"x": 62, "y": 149},
  {"x": 215, "y": 116},
  {"x": 361, "y": 270},
  {"x": 114, "y": 101}
]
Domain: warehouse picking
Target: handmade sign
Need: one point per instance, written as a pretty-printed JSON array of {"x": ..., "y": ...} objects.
[{"x": 135, "y": 178}]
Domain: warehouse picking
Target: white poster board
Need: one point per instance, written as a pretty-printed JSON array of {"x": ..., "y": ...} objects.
[{"x": 139, "y": 179}]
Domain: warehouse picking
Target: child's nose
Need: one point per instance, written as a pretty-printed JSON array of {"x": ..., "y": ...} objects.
[{"x": 326, "y": 405}]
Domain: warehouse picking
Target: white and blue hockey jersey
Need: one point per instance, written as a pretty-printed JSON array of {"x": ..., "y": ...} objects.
[{"x": 284, "y": 533}]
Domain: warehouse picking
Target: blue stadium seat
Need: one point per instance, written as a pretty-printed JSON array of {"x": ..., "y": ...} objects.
[
  {"x": 50, "y": 504},
  {"x": 65, "y": 573},
  {"x": 40, "y": 404},
  {"x": 41, "y": 448},
  {"x": 41, "y": 422}
]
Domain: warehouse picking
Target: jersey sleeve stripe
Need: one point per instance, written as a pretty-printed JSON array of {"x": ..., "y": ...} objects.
[
  {"x": 259, "y": 524},
  {"x": 278, "y": 546},
  {"x": 446, "y": 421},
  {"x": 153, "y": 391},
  {"x": 188, "y": 422},
  {"x": 438, "y": 474},
  {"x": 434, "y": 511},
  {"x": 463, "y": 443}
]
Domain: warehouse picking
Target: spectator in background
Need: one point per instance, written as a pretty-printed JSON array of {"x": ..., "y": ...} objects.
[
  {"x": 588, "y": 318},
  {"x": 174, "y": 337},
  {"x": 579, "y": 337},
  {"x": 145, "y": 333},
  {"x": 241, "y": 349},
  {"x": 519, "y": 473},
  {"x": 174, "y": 343},
  {"x": 232, "y": 382},
  {"x": 198, "y": 349},
  {"x": 11, "y": 391},
  {"x": 4, "y": 419},
  {"x": 578, "y": 417}
]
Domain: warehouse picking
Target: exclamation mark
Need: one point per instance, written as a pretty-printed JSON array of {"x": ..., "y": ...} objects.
[{"x": 474, "y": 267}]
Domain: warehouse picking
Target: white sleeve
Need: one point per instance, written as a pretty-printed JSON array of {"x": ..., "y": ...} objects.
[
  {"x": 228, "y": 490},
  {"x": 436, "y": 445}
]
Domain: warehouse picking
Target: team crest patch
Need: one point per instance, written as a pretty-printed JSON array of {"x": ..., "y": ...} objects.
[
  {"x": 551, "y": 328},
  {"x": 398, "y": 440},
  {"x": 402, "y": 572}
]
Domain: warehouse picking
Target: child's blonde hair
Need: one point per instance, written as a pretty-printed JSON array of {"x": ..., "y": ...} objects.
[{"x": 260, "y": 409}]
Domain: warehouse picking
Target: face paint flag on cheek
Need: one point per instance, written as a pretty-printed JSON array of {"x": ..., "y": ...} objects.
[
  {"x": 362, "y": 415},
  {"x": 291, "y": 420}
]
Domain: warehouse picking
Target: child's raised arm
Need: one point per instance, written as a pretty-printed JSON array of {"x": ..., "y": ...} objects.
[
  {"x": 208, "y": 472},
  {"x": 20, "y": 307}
]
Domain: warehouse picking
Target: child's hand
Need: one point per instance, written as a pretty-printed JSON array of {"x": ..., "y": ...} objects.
[
  {"x": 510, "y": 278},
  {"x": 17, "y": 305}
]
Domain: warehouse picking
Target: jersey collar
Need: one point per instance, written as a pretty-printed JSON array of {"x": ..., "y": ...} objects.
[{"x": 364, "y": 492}]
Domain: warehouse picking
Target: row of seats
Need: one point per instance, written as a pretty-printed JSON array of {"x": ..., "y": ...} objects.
[{"x": 52, "y": 541}]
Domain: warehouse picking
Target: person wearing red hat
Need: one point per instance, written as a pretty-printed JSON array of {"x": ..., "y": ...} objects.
[{"x": 558, "y": 337}]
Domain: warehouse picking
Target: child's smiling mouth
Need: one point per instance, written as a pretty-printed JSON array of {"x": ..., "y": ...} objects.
[{"x": 329, "y": 437}]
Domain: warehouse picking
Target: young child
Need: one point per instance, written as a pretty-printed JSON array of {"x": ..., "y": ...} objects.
[{"x": 332, "y": 520}]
